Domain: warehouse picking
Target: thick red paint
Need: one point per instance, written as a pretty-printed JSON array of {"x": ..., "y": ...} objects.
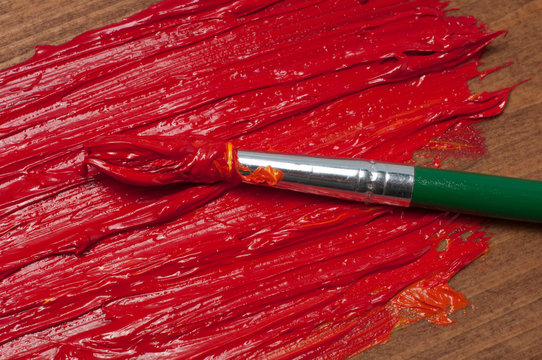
[
  {"x": 95, "y": 268},
  {"x": 163, "y": 160}
]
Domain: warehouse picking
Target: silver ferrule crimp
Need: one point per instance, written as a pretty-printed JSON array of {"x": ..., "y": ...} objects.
[{"x": 359, "y": 180}]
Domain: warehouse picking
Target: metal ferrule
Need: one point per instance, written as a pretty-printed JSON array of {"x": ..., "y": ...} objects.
[{"x": 359, "y": 180}]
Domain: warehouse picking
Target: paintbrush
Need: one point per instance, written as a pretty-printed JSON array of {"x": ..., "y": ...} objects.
[{"x": 162, "y": 160}]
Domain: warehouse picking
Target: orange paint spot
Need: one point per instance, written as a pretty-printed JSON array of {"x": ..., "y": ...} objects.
[
  {"x": 229, "y": 155},
  {"x": 424, "y": 301},
  {"x": 262, "y": 175}
]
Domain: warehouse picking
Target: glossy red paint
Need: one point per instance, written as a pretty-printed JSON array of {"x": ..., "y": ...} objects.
[
  {"x": 163, "y": 160},
  {"x": 95, "y": 268}
]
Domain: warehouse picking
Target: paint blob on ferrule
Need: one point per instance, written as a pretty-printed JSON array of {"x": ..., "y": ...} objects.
[{"x": 163, "y": 160}]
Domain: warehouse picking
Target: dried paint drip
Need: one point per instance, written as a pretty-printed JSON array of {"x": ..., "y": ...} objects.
[{"x": 94, "y": 267}]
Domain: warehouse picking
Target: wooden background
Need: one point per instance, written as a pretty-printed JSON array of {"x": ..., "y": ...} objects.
[{"x": 506, "y": 288}]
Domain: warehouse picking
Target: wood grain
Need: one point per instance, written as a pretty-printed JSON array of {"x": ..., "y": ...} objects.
[{"x": 506, "y": 287}]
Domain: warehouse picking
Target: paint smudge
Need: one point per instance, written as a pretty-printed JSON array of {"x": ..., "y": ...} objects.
[{"x": 95, "y": 268}]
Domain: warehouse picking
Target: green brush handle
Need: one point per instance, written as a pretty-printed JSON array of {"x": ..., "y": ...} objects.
[
  {"x": 400, "y": 185},
  {"x": 486, "y": 195}
]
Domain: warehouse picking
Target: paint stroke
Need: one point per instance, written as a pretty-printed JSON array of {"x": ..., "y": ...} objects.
[{"x": 94, "y": 267}]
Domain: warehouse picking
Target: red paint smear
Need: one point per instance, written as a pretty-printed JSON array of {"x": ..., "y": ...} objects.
[
  {"x": 485, "y": 73},
  {"x": 92, "y": 267}
]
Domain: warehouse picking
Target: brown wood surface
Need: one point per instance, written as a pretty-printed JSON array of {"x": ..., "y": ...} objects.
[{"x": 506, "y": 287}]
